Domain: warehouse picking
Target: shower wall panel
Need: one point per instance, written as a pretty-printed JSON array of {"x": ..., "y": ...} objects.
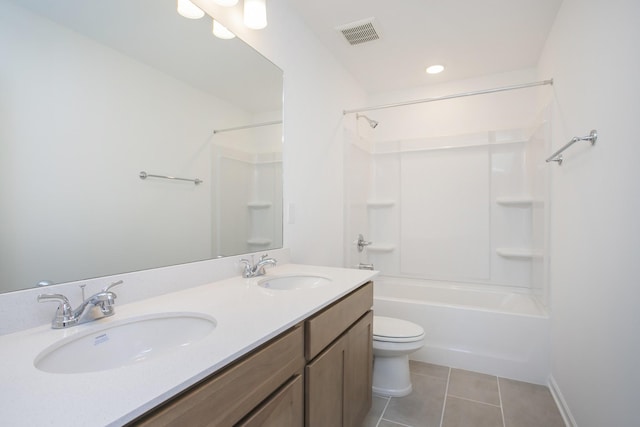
[
  {"x": 233, "y": 182},
  {"x": 358, "y": 187},
  {"x": 445, "y": 213},
  {"x": 463, "y": 208}
]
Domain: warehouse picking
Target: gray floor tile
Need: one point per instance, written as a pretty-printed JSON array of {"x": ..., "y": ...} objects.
[
  {"x": 377, "y": 407},
  {"x": 467, "y": 413},
  {"x": 528, "y": 405},
  {"x": 473, "y": 400},
  {"x": 429, "y": 369},
  {"x": 423, "y": 407},
  {"x": 474, "y": 386},
  {"x": 386, "y": 423}
]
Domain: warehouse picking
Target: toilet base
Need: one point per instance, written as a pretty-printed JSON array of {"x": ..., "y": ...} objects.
[{"x": 391, "y": 376}]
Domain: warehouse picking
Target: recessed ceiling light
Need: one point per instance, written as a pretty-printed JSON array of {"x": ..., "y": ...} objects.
[{"x": 435, "y": 69}]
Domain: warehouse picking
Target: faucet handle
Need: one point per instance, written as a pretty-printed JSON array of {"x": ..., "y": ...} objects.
[
  {"x": 106, "y": 288},
  {"x": 64, "y": 314},
  {"x": 361, "y": 243},
  {"x": 64, "y": 301},
  {"x": 246, "y": 267}
]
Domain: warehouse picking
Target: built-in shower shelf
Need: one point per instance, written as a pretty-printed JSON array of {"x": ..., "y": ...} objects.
[
  {"x": 380, "y": 203},
  {"x": 381, "y": 248},
  {"x": 259, "y": 205},
  {"x": 518, "y": 253},
  {"x": 517, "y": 201},
  {"x": 259, "y": 242}
]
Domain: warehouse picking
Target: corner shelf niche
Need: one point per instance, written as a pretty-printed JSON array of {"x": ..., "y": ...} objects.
[
  {"x": 517, "y": 201},
  {"x": 518, "y": 253},
  {"x": 381, "y": 248},
  {"x": 375, "y": 204},
  {"x": 258, "y": 205},
  {"x": 259, "y": 242}
]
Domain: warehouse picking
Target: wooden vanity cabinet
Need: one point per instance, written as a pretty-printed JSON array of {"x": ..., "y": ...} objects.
[
  {"x": 266, "y": 384},
  {"x": 318, "y": 373},
  {"x": 338, "y": 375}
]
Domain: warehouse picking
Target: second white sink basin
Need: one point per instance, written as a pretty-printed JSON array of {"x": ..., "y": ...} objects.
[
  {"x": 294, "y": 281},
  {"x": 123, "y": 343}
]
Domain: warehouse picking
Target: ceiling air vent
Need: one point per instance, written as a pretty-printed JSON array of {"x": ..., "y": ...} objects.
[{"x": 360, "y": 31}]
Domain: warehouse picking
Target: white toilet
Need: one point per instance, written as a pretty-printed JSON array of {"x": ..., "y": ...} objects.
[{"x": 393, "y": 341}]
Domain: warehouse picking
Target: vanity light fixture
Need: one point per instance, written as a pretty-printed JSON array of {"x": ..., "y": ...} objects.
[
  {"x": 226, "y": 3},
  {"x": 189, "y": 10},
  {"x": 255, "y": 14},
  {"x": 222, "y": 32},
  {"x": 435, "y": 69}
]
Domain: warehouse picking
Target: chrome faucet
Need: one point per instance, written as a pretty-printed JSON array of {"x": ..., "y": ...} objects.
[
  {"x": 95, "y": 307},
  {"x": 249, "y": 270}
]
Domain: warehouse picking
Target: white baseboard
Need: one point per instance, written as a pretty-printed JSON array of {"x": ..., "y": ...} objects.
[{"x": 562, "y": 404}]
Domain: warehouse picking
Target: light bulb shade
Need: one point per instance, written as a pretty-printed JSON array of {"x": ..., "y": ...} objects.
[
  {"x": 255, "y": 14},
  {"x": 226, "y": 3},
  {"x": 189, "y": 10},
  {"x": 221, "y": 32}
]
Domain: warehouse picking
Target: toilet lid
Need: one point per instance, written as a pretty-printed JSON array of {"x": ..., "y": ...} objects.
[{"x": 395, "y": 330}]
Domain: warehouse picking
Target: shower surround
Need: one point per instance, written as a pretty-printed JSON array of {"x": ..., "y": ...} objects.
[{"x": 459, "y": 212}]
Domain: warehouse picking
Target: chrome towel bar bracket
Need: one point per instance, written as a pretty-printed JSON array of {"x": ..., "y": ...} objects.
[{"x": 557, "y": 156}]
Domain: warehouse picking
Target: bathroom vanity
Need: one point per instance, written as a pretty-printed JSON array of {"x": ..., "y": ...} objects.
[
  {"x": 279, "y": 355},
  {"x": 316, "y": 374}
]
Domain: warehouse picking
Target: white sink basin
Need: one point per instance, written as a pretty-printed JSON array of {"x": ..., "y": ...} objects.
[
  {"x": 130, "y": 341},
  {"x": 293, "y": 281}
]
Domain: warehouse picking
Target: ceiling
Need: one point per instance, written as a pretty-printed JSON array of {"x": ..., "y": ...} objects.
[{"x": 469, "y": 37}]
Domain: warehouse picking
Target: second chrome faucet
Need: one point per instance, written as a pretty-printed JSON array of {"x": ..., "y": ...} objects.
[{"x": 257, "y": 269}]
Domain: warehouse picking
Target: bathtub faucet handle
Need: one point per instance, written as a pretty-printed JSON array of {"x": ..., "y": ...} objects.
[{"x": 361, "y": 243}]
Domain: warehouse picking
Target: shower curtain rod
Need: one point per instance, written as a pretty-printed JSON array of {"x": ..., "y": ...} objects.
[
  {"x": 275, "y": 122},
  {"x": 457, "y": 95}
]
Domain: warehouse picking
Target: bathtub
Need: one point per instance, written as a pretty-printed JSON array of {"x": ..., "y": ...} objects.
[{"x": 495, "y": 331}]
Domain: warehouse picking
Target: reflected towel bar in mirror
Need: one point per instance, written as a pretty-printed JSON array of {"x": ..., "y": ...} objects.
[{"x": 144, "y": 175}]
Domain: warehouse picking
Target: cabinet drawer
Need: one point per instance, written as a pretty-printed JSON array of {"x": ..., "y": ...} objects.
[
  {"x": 329, "y": 324},
  {"x": 228, "y": 396}
]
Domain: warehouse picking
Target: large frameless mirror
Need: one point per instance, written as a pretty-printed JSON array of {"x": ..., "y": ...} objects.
[{"x": 96, "y": 95}]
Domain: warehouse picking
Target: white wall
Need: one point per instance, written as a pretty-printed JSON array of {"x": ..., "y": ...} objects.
[
  {"x": 592, "y": 54},
  {"x": 503, "y": 110}
]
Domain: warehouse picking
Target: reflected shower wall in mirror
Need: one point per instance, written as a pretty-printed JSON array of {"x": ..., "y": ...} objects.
[{"x": 93, "y": 93}]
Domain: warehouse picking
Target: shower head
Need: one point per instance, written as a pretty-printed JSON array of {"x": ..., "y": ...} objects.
[{"x": 372, "y": 123}]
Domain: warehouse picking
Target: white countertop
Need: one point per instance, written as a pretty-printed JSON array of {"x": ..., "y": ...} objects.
[{"x": 247, "y": 315}]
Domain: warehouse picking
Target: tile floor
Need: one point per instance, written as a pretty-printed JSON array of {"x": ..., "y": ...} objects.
[{"x": 447, "y": 397}]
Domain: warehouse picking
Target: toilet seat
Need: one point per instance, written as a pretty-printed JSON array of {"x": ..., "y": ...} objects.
[{"x": 388, "y": 329}]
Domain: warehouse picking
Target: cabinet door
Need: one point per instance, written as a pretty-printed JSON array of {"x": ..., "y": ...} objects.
[
  {"x": 358, "y": 371},
  {"x": 284, "y": 409},
  {"x": 338, "y": 381},
  {"x": 324, "y": 391}
]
